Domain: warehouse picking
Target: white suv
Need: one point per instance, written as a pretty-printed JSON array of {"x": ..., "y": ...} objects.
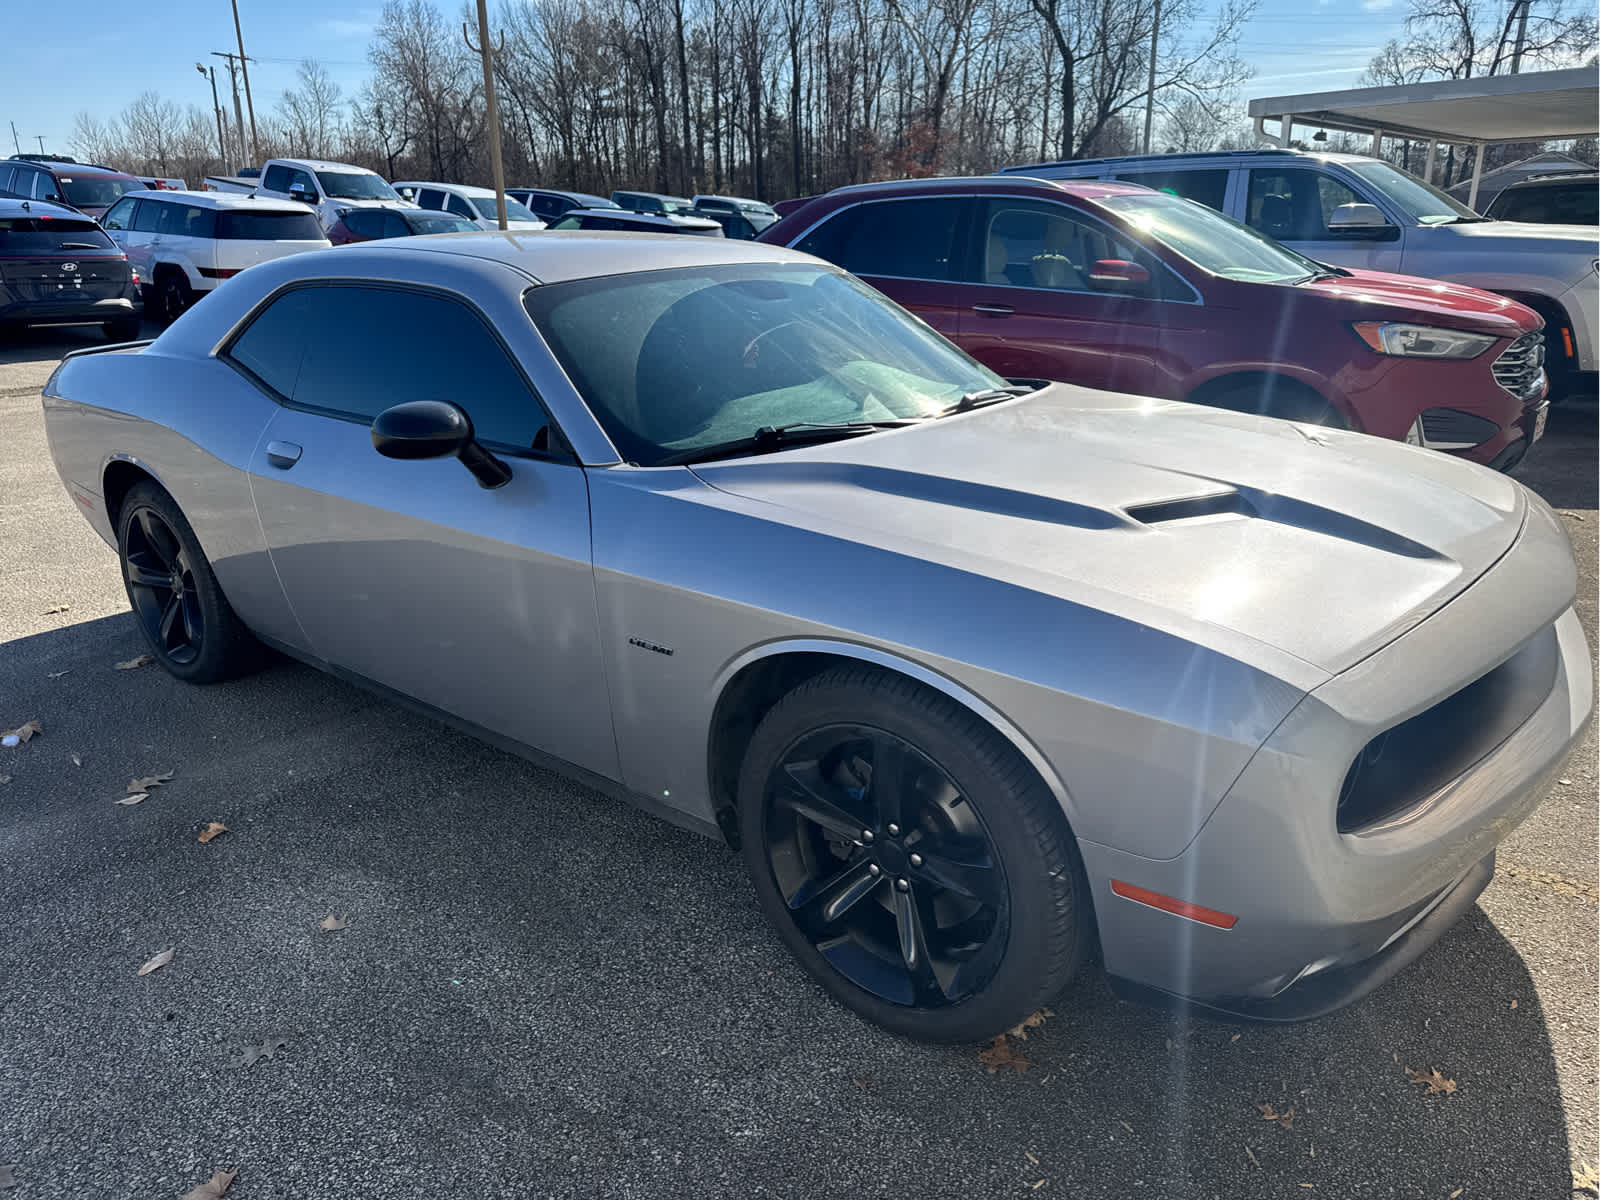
[
  {"x": 476, "y": 204},
  {"x": 183, "y": 244}
]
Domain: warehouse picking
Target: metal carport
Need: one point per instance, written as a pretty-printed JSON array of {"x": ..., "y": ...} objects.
[{"x": 1530, "y": 107}]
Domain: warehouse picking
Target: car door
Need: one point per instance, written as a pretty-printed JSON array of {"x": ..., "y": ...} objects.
[
  {"x": 909, "y": 248},
  {"x": 479, "y": 603},
  {"x": 1038, "y": 315},
  {"x": 118, "y": 223},
  {"x": 1293, "y": 204},
  {"x": 147, "y": 239}
]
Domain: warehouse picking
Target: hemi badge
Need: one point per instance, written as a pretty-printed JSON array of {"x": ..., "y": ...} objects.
[{"x": 644, "y": 645}]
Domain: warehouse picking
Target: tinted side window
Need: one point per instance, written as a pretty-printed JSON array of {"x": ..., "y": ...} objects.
[
  {"x": 276, "y": 178},
  {"x": 6, "y": 171},
  {"x": 148, "y": 217},
  {"x": 908, "y": 239},
  {"x": 454, "y": 203},
  {"x": 393, "y": 225},
  {"x": 368, "y": 224},
  {"x": 185, "y": 220},
  {"x": 1032, "y": 243},
  {"x": 354, "y": 351},
  {"x": 1294, "y": 205},
  {"x": 45, "y": 186},
  {"x": 120, "y": 214},
  {"x": 1208, "y": 187},
  {"x": 430, "y": 198}
]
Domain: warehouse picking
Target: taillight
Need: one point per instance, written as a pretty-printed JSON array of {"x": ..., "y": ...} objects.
[{"x": 220, "y": 272}]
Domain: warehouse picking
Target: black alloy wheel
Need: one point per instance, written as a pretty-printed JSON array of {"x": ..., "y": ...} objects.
[
  {"x": 174, "y": 297},
  {"x": 885, "y": 868},
  {"x": 909, "y": 857},
  {"x": 187, "y": 622}
]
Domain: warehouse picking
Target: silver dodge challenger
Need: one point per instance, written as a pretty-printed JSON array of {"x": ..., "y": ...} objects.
[{"x": 978, "y": 674}]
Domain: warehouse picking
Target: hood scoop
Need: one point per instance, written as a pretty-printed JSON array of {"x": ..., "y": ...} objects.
[{"x": 1281, "y": 510}]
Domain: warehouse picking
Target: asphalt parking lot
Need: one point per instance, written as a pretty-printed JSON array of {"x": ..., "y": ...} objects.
[{"x": 542, "y": 992}]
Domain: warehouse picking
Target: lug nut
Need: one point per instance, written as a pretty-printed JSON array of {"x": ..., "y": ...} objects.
[
  {"x": 866, "y": 835},
  {"x": 874, "y": 869},
  {"x": 916, "y": 860},
  {"x": 900, "y": 885},
  {"x": 894, "y": 830}
]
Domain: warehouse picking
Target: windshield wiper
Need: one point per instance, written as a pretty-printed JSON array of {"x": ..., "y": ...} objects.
[
  {"x": 983, "y": 396},
  {"x": 78, "y": 246},
  {"x": 775, "y": 437}
]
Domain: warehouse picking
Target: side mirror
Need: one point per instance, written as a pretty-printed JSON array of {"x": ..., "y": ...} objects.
[
  {"x": 299, "y": 193},
  {"x": 1359, "y": 219},
  {"x": 434, "y": 429},
  {"x": 1118, "y": 275}
]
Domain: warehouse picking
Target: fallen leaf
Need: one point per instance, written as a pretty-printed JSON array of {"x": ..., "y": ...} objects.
[
  {"x": 863, "y": 1083},
  {"x": 60, "y": 608},
  {"x": 1032, "y": 1021},
  {"x": 266, "y": 1050},
  {"x": 7, "y": 1180},
  {"x": 1436, "y": 1083},
  {"x": 1456, "y": 1193},
  {"x": 1031, "y": 1157},
  {"x": 1253, "y": 1157},
  {"x": 76, "y": 761},
  {"x": 59, "y": 674},
  {"x": 133, "y": 664},
  {"x": 156, "y": 963},
  {"x": 212, "y": 1188},
  {"x": 1513, "y": 1004},
  {"x": 1235, "y": 1038},
  {"x": 148, "y": 782},
  {"x": 332, "y": 924},
  {"x": 213, "y": 829},
  {"x": 22, "y": 732},
  {"x": 1586, "y": 1178},
  {"x": 1285, "y": 1118},
  {"x": 1124, "y": 1124},
  {"x": 1037, "y": 1185},
  {"x": 135, "y": 798},
  {"x": 1000, "y": 1054}
]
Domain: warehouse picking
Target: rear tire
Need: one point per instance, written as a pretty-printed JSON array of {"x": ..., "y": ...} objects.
[
  {"x": 174, "y": 296},
  {"x": 186, "y": 621},
  {"x": 1271, "y": 396},
  {"x": 966, "y": 855}
]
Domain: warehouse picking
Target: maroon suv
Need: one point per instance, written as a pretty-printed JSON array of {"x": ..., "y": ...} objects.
[
  {"x": 89, "y": 189},
  {"x": 1119, "y": 287}
]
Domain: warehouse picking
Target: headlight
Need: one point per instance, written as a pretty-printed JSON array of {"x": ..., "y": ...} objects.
[{"x": 1421, "y": 341}]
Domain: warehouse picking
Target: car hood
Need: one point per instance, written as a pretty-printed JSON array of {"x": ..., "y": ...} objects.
[
  {"x": 1380, "y": 295},
  {"x": 1236, "y": 532}
]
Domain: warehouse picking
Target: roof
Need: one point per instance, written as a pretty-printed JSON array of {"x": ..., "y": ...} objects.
[
  {"x": 657, "y": 195},
  {"x": 1548, "y": 165},
  {"x": 465, "y": 189},
  {"x": 1088, "y": 189},
  {"x": 69, "y": 169},
  {"x": 12, "y": 205},
  {"x": 1181, "y": 159},
  {"x": 557, "y": 256},
  {"x": 1529, "y": 107},
  {"x": 544, "y": 191},
  {"x": 223, "y": 200},
  {"x": 320, "y": 164}
]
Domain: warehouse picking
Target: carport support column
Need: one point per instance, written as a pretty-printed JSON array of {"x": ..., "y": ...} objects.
[
  {"x": 1377, "y": 143},
  {"x": 1285, "y": 130},
  {"x": 1427, "y": 170},
  {"x": 1477, "y": 173}
]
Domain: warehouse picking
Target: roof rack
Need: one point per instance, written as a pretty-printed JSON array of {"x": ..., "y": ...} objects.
[
  {"x": 1143, "y": 158},
  {"x": 53, "y": 158}
]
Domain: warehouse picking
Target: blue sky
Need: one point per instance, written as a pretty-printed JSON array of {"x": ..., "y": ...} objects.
[{"x": 98, "y": 56}]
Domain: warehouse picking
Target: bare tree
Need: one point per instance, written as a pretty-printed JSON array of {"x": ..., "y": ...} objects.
[{"x": 310, "y": 113}]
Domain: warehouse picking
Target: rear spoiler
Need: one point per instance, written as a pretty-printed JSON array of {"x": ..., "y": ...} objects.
[{"x": 87, "y": 350}]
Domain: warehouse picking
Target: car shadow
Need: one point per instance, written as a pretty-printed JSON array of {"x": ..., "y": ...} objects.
[
  {"x": 50, "y": 345},
  {"x": 540, "y": 981},
  {"x": 1561, "y": 466}
]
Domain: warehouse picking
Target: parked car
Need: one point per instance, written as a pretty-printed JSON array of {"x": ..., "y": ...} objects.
[
  {"x": 736, "y": 204},
  {"x": 549, "y": 205},
  {"x": 371, "y": 224},
  {"x": 1360, "y": 212},
  {"x": 160, "y": 183},
  {"x": 784, "y": 207},
  {"x": 745, "y": 225},
  {"x": 1567, "y": 199},
  {"x": 1116, "y": 286},
  {"x": 331, "y": 188},
  {"x": 475, "y": 204},
  {"x": 622, "y": 221},
  {"x": 57, "y": 267},
  {"x": 975, "y": 680},
  {"x": 184, "y": 244},
  {"x": 89, "y": 189},
  {"x": 650, "y": 202}
]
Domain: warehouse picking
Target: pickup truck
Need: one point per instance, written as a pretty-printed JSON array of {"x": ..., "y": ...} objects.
[
  {"x": 1354, "y": 211},
  {"x": 332, "y": 189}
]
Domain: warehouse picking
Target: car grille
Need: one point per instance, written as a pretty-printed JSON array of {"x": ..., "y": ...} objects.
[{"x": 1520, "y": 368}]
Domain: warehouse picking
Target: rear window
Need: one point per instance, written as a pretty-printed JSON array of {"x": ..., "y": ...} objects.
[
  {"x": 36, "y": 234},
  {"x": 488, "y": 210},
  {"x": 269, "y": 227}
]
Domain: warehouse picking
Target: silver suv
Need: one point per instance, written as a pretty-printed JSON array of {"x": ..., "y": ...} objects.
[{"x": 1354, "y": 211}]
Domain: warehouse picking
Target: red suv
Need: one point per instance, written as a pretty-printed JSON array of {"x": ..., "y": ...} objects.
[
  {"x": 89, "y": 189},
  {"x": 1120, "y": 287}
]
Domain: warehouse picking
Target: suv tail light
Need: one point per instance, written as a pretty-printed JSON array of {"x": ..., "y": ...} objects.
[{"x": 220, "y": 272}]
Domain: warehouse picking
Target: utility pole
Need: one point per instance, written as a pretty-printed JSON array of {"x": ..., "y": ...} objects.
[
  {"x": 14, "y": 140},
  {"x": 1522, "y": 36},
  {"x": 238, "y": 113},
  {"x": 40, "y": 137},
  {"x": 1150, "y": 87},
  {"x": 486, "y": 49},
  {"x": 255, "y": 141},
  {"x": 216, "y": 110}
]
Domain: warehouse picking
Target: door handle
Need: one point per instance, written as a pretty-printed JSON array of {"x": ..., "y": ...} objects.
[
  {"x": 994, "y": 310},
  {"x": 283, "y": 455}
]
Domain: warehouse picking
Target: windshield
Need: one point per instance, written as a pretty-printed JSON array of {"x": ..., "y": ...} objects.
[
  {"x": 487, "y": 210},
  {"x": 1423, "y": 202},
  {"x": 353, "y": 185},
  {"x": 669, "y": 361},
  {"x": 31, "y": 234},
  {"x": 438, "y": 222},
  {"x": 1210, "y": 240},
  {"x": 96, "y": 191}
]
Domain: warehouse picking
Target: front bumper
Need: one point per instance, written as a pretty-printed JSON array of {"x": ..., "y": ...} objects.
[{"x": 1324, "y": 915}]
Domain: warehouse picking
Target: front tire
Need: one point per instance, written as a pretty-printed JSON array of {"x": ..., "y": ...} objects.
[
  {"x": 174, "y": 296},
  {"x": 910, "y": 858},
  {"x": 186, "y": 621}
]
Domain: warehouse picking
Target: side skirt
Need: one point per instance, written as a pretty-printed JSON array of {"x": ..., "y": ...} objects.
[{"x": 539, "y": 758}]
